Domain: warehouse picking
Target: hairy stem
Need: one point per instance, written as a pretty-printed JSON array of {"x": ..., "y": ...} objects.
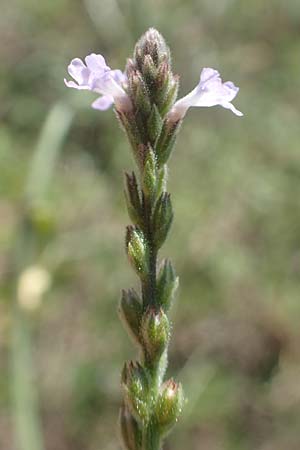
[{"x": 149, "y": 284}]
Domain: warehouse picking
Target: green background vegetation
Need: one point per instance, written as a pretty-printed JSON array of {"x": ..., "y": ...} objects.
[{"x": 235, "y": 242}]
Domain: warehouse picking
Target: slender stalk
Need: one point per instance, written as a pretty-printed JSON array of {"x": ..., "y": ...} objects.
[{"x": 26, "y": 414}]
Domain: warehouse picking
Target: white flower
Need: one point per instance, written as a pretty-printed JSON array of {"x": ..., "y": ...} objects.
[
  {"x": 210, "y": 91},
  {"x": 94, "y": 75}
]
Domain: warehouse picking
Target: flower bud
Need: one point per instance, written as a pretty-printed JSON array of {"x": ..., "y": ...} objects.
[
  {"x": 162, "y": 180},
  {"x": 128, "y": 123},
  {"x": 169, "y": 405},
  {"x": 169, "y": 95},
  {"x": 132, "y": 198},
  {"x": 137, "y": 250},
  {"x": 167, "y": 86},
  {"x": 136, "y": 388},
  {"x": 166, "y": 141},
  {"x": 130, "y": 312},
  {"x": 151, "y": 43},
  {"x": 140, "y": 94},
  {"x": 155, "y": 329},
  {"x": 131, "y": 67},
  {"x": 149, "y": 71},
  {"x": 130, "y": 432},
  {"x": 162, "y": 219},
  {"x": 154, "y": 124},
  {"x": 150, "y": 174},
  {"x": 167, "y": 284}
]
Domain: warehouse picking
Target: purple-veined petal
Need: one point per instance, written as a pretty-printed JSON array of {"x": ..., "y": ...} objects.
[{"x": 103, "y": 103}]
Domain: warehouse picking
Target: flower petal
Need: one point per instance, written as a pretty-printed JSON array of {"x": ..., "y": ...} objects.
[
  {"x": 96, "y": 76},
  {"x": 232, "y": 108},
  {"x": 103, "y": 103},
  {"x": 96, "y": 63},
  {"x": 119, "y": 76},
  {"x": 72, "y": 84},
  {"x": 208, "y": 73},
  {"x": 79, "y": 71},
  {"x": 107, "y": 84}
]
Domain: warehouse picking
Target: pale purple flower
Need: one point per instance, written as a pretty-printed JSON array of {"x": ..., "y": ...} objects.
[
  {"x": 94, "y": 75},
  {"x": 210, "y": 91}
]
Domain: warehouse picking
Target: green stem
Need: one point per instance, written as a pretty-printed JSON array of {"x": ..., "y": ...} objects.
[
  {"x": 24, "y": 394},
  {"x": 151, "y": 438},
  {"x": 151, "y": 435},
  {"x": 149, "y": 285}
]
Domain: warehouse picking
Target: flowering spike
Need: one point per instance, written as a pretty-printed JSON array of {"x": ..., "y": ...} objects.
[{"x": 146, "y": 107}]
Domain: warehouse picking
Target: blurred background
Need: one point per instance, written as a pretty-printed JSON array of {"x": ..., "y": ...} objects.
[{"x": 235, "y": 242}]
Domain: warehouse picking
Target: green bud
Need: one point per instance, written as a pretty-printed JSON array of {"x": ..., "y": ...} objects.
[
  {"x": 136, "y": 389},
  {"x": 151, "y": 43},
  {"x": 162, "y": 219},
  {"x": 132, "y": 198},
  {"x": 167, "y": 284},
  {"x": 150, "y": 174},
  {"x": 155, "y": 124},
  {"x": 169, "y": 405},
  {"x": 149, "y": 71},
  {"x": 168, "y": 99},
  {"x": 166, "y": 141},
  {"x": 128, "y": 123},
  {"x": 130, "y": 431},
  {"x": 162, "y": 180},
  {"x": 166, "y": 88},
  {"x": 163, "y": 75},
  {"x": 130, "y": 311},
  {"x": 155, "y": 329},
  {"x": 139, "y": 94},
  {"x": 137, "y": 250}
]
